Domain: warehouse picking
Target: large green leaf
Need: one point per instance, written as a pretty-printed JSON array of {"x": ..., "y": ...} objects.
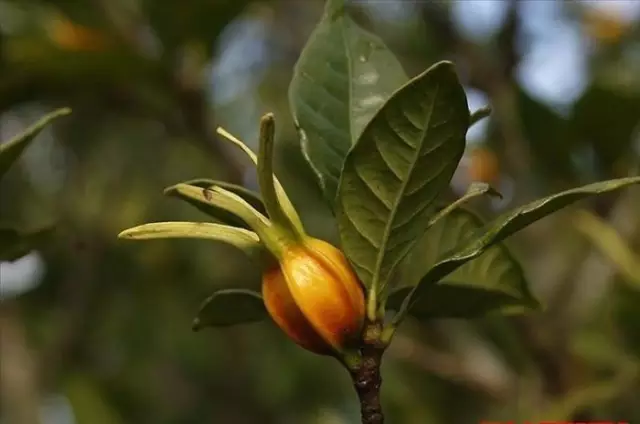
[
  {"x": 504, "y": 226},
  {"x": 12, "y": 149},
  {"x": 403, "y": 160},
  {"x": 212, "y": 210},
  {"x": 343, "y": 76},
  {"x": 493, "y": 281},
  {"x": 230, "y": 307},
  {"x": 15, "y": 244}
]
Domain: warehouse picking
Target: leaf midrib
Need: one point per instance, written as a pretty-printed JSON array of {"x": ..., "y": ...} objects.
[{"x": 381, "y": 252}]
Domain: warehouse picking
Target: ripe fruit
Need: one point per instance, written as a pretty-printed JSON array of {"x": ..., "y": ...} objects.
[{"x": 315, "y": 297}]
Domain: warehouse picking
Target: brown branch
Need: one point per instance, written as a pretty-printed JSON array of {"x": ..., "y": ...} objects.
[{"x": 366, "y": 375}]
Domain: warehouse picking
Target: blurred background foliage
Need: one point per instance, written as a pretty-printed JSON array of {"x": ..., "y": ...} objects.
[{"x": 95, "y": 330}]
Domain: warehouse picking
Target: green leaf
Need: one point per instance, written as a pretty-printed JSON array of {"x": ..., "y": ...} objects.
[
  {"x": 391, "y": 178},
  {"x": 215, "y": 212},
  {"x": 601, "y": 392},
  {"x": 12, "y": 149},
  {"x": 230, "y": 307},
  {"x": 342, "y": 78},
  {"x": 15, "y": 244},
  {"x": 475, "y": 189},
  {"x": 245, "y": 240},
  {"x": 504, "y": 226},
  {"x": 494, "y": 281}
]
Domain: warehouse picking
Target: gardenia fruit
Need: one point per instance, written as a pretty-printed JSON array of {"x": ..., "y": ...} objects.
[{"x": 315, "y": 297}]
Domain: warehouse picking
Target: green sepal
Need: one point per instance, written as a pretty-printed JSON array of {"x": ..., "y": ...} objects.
[
  {"x": 285, "y": 203},
  {"x": 215, "y": 211},
  {"x": 251, "y": 197},
  {"x": 245, "y": 240},
  {"x": 269, "y": 235},
  {"x": 266, "y": 179},
  {"x": 227, "y": 307}
]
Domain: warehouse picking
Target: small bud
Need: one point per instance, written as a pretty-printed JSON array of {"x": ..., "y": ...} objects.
[{"x": 315, "y": 297}]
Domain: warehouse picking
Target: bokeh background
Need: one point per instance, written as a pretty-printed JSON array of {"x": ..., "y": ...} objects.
[{"x": 95, "y": 330}]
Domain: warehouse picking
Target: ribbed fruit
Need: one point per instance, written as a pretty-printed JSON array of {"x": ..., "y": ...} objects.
[{"x": 315, "y": 297}]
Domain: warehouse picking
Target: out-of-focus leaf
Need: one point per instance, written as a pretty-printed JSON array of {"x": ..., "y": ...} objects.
[
  {"x": 215, "y": 212},
  {"x": 343, "y": 76},
  {"x": 219, "y": 198},
  {"x": 564, "y": 408},
  {"x": 598, "y": 348},
  {"x": 548, "y": 135},
  {"x": 90, "y": 405},
  {"x": 607, "y": 116},
  {"x": 12, "y": 149},
  {"x": 200, "y": 21},
  {"x": 401, "y": 163},
  {"x": 243, "y": 239},
  {"x": 493, "y": 281},
  {"x": 627, "y": 316},
  {"x": 611, "y": 244},
  {"x": 504, "y": 226},
  {"x": 15, "y": 244},
  {"x": 230, "y": 307}
]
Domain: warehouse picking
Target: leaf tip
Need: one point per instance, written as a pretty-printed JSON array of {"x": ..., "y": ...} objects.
[
  {"x": 444, "y": 65},
  {"x": 175, "y": 189},
  {"x": 494, "y": 193},
  {"x": 268, "y": 118},
  {"x": 531, "y": 303},
  {"x": 196, "y": 325},
  {"x": 334, "y": 9},
  {"x": 482, "y": 187},
  {"x": 63, "y": 111},
  {"x": 132, "y": 233}
]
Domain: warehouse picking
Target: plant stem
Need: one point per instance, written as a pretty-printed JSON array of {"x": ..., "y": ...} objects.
[
  {"x": 479, "y": 115},
  {"x": 366, "y": 376}
]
